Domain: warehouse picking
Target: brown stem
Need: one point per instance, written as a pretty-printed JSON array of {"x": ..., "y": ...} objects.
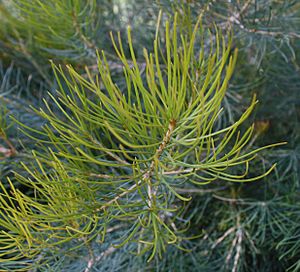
[
  {"x": 157, "y": 155},
  {"x": 12, "y": 150},
  {"x": 146, "y": 176}
]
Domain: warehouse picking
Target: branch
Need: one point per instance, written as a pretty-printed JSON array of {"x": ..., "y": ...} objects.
[
  {"x": 146, "y": 176},
  {"x": 157, "y": 155},
  {"x": 8, "y": 152},
  {"x": 93, "y": 260},
  {"x": 220, "y": 239},
  {"x": 198, "y": 191},
  {"x": 132, "y": 188}
]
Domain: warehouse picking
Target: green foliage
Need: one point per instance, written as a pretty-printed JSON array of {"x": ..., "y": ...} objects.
[
  {"x": 239, "y": 226},
  {"x": 52, "y": 24},
  {"x": 121, "y": 157},
  {"x": 67, "y": 31},
  {"x": 16, "y": 93}
]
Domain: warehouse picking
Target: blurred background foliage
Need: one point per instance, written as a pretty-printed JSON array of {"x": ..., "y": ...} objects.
[{"x": 244, "y": 227}]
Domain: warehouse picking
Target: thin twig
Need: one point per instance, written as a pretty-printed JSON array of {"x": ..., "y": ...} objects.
[
  {"x": 198, "y": 191},
  {"x": 220, "y": 239},
  {"x": 273, "y": 33},
  {"x": 181, "y": 171},
  {"x": 231, "y": 200},
  {"x": 93, "y": 261},
  {"x": 104, "y": 176},
  {"x": 8, "y": 152},
  {"x": 239, "y": 238},
  {"x": 130, "y": 189}
]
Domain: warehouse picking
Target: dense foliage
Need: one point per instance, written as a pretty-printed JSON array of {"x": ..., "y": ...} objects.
[{"x": 129, "y": 157}]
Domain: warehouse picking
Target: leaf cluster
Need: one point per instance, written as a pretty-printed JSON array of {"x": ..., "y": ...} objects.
[{"x": 121, "y": 155}]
